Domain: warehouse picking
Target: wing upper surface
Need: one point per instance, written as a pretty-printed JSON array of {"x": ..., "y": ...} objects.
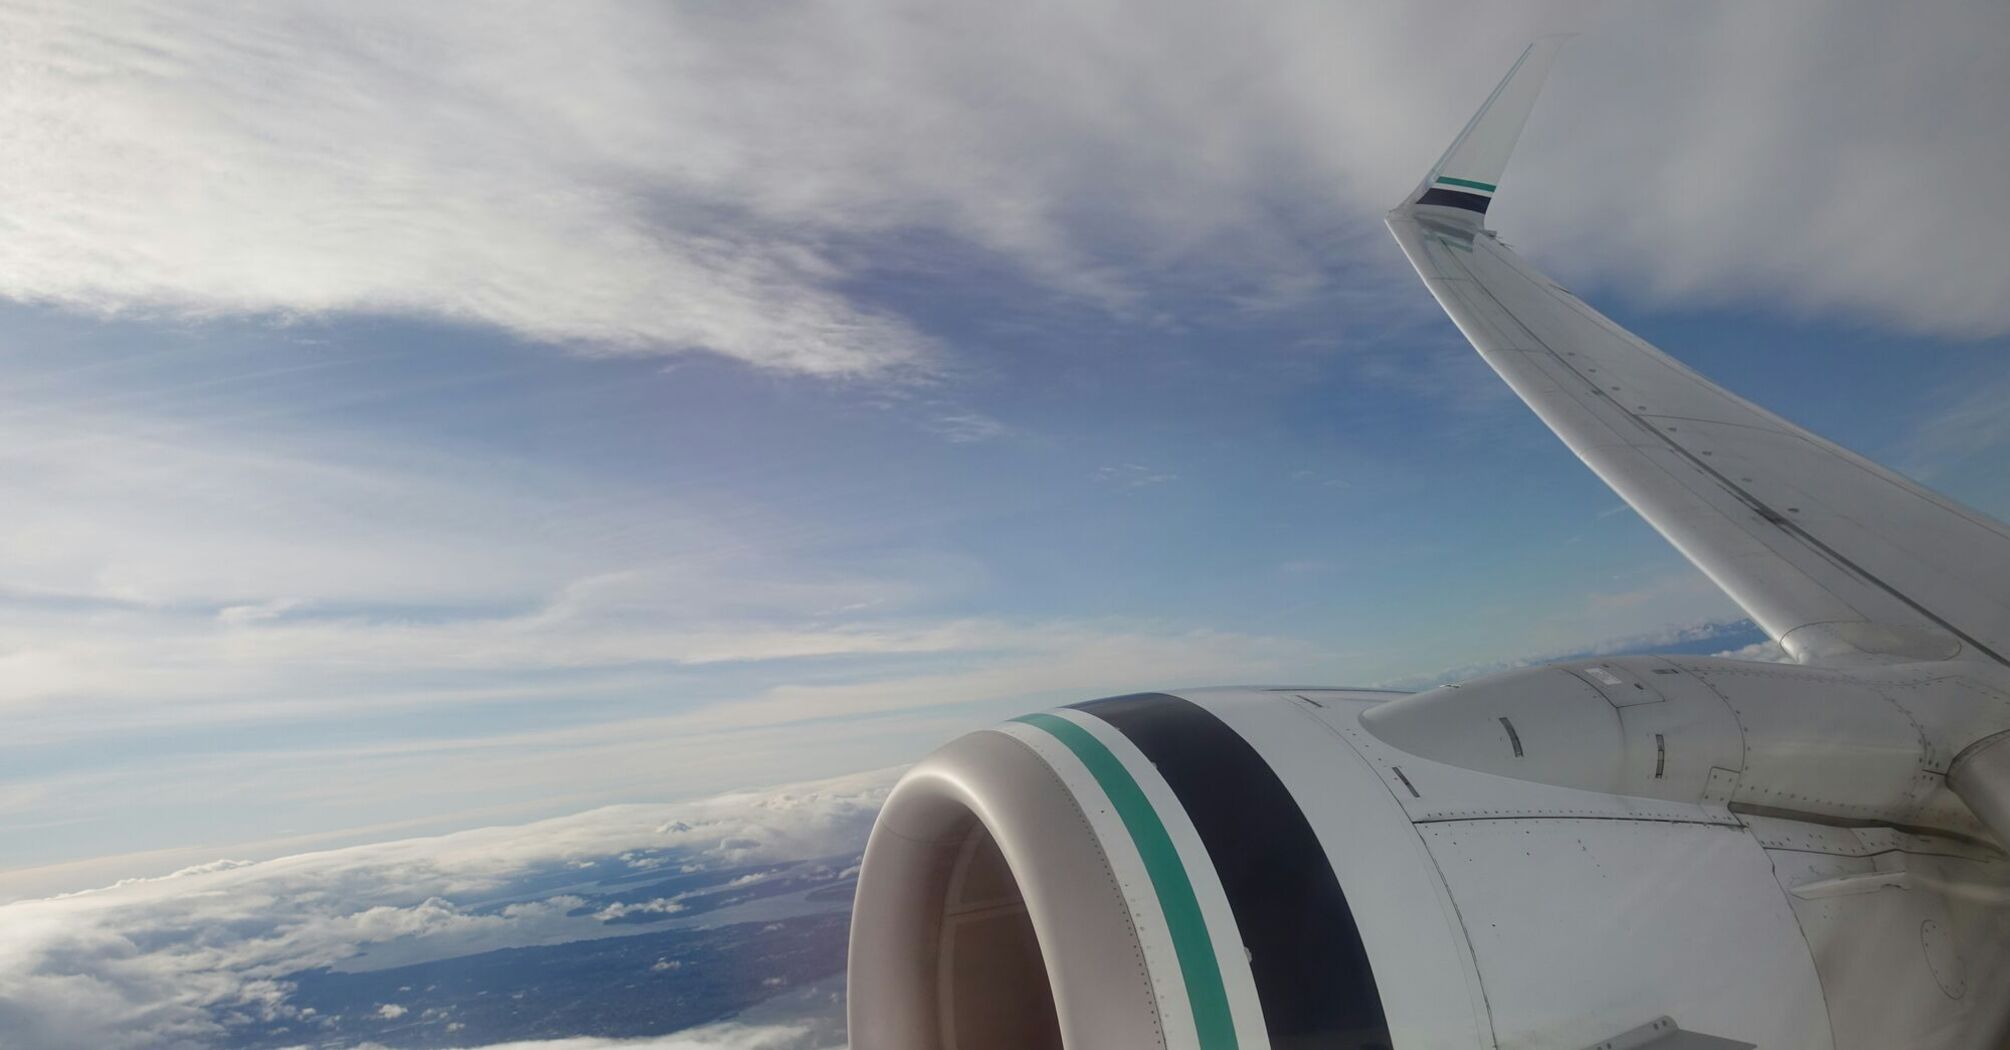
[{"x": 1833, "y": 555}]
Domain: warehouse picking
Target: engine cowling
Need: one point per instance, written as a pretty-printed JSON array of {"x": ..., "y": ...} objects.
[
  {"x": 1130, "y": 872},
  {"x": 1259, "y": 868}
]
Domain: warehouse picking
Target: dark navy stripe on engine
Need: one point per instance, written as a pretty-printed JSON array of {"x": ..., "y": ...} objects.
[
  {"x": 1305, "y": 952},
  {"x": 1455, "y": 199}
]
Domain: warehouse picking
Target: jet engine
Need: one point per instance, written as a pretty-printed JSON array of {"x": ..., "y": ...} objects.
[{"x": 1646, "y": 851}]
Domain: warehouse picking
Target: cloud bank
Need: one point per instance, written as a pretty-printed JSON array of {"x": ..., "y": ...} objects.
[
  {"x": 176, "y": 961},
  {"x": 636, "y": 178},
  {"x": 709, "y": 1037}
]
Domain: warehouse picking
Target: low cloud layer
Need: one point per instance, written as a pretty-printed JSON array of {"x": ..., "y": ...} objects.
[
  {"x": 710, "y": 1037},
  {"x": 178, "y": 961},
  {"x": 1707, "y": 637},
  {"x": 650, "y": 178}
]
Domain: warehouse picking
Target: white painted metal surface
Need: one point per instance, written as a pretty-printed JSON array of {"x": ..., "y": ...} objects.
[
  {"x": 1542, "y": 896},
  {"x": 1866, "y": 743},
  {"x": 1098, "y": 982},
  {"x": 1416, "y": 938},
  {"x": 1208, "y": 893},
  {"x": 1980, "y": 776}
]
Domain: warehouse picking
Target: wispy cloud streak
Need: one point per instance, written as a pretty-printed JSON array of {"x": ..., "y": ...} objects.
[{"x": 642, "y": 178}]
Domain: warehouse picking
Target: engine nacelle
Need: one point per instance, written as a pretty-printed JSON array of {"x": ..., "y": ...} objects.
[
  {"x": 1867, "y": 746},
  {"x": 1130, "y": 872},
  {"x": 1332, "y": 868}
]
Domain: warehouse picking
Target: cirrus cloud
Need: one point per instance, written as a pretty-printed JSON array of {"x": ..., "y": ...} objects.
[{"x": 647, "y": 178}]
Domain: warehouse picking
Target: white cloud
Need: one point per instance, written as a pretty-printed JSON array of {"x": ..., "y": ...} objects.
[
  {"x": 1659, "y": 593},
  {"x": 1759, "y": 652},
  {"x": 237, "y": 615},
  {"x": 157, "y": 962},
  {"x": 380, "y": 587},
  {"x": 634, "y": 177},
  {"x": 1971, "y": 423},
  {"x": 525, "y": 168},
  {"x": 657, "y": 906},
  {"x": 164, "y": 575},
  {"x": 1664, "y": 637},
  {"x": 1132, "y": 476},
  {"x": 159, "y": 565},
  {"x": 1780, "y": 158},
  {"x": 266, "y": 581},
  {"x": 709, "y": 1037},
  {"x": 968, "y": 428}
]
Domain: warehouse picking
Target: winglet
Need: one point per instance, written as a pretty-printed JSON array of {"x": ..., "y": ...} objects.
[{"x": 1463, "y": 181}]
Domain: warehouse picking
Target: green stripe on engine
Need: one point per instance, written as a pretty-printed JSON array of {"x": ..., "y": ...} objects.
[
  {"x": 1467, "y": 183},
  {"x": 1191, "y": 943}
]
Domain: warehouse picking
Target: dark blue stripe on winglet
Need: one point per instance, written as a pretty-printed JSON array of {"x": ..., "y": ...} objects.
[{"x": 1445, "y": 198}]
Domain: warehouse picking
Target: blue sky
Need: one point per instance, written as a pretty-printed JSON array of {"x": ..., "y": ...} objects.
[{"x": 426, "y": 420}]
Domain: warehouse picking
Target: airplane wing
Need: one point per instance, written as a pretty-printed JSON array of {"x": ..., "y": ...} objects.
[{"x": 1837, "y": 558}]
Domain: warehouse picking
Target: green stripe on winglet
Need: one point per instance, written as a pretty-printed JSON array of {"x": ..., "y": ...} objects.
[
  {"x": 1191, "y": 943},
  {"x": 1467, "y": 183}
]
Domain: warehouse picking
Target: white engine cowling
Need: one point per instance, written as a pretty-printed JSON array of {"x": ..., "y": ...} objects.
[{"x": 1269, "y": 868}]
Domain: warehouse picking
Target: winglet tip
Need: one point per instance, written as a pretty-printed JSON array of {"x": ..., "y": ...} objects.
[{"x": 1464, "y": 180}]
